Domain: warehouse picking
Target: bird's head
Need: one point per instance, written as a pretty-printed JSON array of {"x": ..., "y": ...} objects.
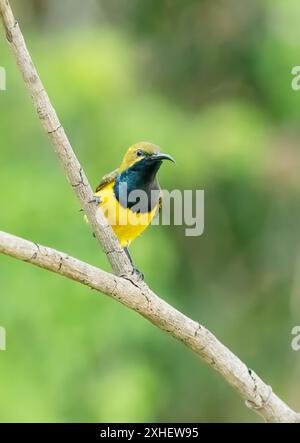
[{"x": 144, "y": 154}]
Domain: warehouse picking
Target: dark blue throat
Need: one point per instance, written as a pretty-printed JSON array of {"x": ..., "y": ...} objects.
[{"x": 139, "y": 177}]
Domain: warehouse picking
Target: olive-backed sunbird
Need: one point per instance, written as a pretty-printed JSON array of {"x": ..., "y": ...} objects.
[{"x": 130, "y": 196}]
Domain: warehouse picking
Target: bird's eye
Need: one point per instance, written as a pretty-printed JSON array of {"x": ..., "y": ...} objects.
[{"x": 139, "y": 153}]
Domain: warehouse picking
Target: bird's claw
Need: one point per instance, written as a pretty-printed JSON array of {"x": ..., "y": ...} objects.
[
  {"x": 138, "y": 274},
  {"x": 97, "y": 200}
]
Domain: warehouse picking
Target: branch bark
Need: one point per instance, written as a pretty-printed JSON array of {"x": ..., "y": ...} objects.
[
  {"x": 61, "y": 144},
  {"x": 136, "y": 296},
  {"x": 258, "y": 395}
]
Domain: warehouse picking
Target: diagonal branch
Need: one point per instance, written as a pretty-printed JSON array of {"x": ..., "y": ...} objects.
[
  {"x": 258, "y": 395},
  {"x": 61, "y": 144},
  {"x": 135, "y": 296}
]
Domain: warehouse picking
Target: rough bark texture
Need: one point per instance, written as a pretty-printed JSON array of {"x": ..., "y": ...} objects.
[
  {"x": 135, "y": 295},
  {"x": 61, "y": 144},
  {"x": 258, "y": 395}
]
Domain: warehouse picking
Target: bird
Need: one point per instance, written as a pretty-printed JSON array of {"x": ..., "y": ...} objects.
[{"x": 130, "y": 196}]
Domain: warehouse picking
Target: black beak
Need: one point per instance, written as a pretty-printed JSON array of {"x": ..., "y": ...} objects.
[{"x": 160, "y": 156}]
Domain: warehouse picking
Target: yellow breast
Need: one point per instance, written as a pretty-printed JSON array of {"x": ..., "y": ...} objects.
[{"x": 126, "y": 224}]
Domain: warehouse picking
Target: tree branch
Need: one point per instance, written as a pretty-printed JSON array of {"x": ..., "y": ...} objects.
[
  {"x": 258, "y": 395},
  {"x": 61, "y": 144},
  {"x": 136, "y": 296}
]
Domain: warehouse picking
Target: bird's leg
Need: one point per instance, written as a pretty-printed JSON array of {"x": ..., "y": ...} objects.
[
  {"x": 139, "y": 274},
  {"x": 128, "y": 255}
]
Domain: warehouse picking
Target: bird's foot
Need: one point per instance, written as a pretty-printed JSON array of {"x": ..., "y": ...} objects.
[
  {"x": 97, "y": 200},
  {"x": 138, "y": 274}
]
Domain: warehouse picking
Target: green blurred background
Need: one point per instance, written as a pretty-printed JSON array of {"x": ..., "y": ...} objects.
[{"x": 210, "y": 82}]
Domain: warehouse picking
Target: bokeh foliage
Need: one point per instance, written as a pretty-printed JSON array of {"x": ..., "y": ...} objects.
[{"x": 210, "y": 82}]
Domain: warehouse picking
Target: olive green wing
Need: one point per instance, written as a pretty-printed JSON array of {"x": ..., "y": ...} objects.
[{"x": 108, "y": 178}]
